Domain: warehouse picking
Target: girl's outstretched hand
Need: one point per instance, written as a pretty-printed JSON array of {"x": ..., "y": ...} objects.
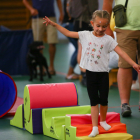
[
  {"x": 137, "y": 68},
  {"x": 48, "y": 21}
]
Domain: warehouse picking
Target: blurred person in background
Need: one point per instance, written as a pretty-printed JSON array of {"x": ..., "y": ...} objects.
[
  {"x": 81, "y": 23},
  {"x": 38, "y": 10},
  {"x": 128, "y": 38},
  {"x": 68, "y": 23}
]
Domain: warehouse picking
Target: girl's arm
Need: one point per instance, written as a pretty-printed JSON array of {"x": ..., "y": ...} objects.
[
  {"x": 61, "y": 29},
  {"x": 120, "y": 52}
]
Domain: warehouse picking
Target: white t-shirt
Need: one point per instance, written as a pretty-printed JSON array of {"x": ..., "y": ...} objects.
[{"x": 95, "y": 51}]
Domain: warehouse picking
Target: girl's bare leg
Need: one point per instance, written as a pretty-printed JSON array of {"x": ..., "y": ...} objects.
[
  {"x": 94, "y": 115},
  {"x": 103, "y": 112}
]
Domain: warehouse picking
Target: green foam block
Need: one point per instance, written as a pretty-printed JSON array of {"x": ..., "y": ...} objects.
[
  {"x": 18, "y": 118},
  {"x": 29, "y": 124},
  {"x": 54, "y": 119}
]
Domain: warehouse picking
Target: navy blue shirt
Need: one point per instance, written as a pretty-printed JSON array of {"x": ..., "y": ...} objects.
[{"x": 44, "y": 7}]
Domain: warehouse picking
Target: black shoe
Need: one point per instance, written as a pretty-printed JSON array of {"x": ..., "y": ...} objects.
[{"x": 126, "y": 110}]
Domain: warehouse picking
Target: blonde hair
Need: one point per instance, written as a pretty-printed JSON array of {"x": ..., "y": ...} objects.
[{"x": 101, "y": 14}]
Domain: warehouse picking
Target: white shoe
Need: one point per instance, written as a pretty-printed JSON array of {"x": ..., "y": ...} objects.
[{"x": 135, "y": 86}]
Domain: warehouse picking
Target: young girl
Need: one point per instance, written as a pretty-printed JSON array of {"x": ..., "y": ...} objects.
[{"x": 96, "y": 46}]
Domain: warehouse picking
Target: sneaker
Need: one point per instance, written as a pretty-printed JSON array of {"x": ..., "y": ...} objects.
[
  {"x": 135, "y": 86},
  {"x": 126, "y": 110}
]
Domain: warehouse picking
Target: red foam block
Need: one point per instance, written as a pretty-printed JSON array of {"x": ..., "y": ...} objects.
[
  {"x": 53, "y": 95},
  {"x": 111, "y": 117},
  {"x": 85, "y": 129}
]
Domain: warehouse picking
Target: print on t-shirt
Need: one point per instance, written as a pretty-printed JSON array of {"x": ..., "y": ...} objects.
[{"x": 93, "y": 52}]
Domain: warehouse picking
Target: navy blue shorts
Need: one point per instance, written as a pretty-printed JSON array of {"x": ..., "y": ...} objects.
[{"x": 98, "y": 87}]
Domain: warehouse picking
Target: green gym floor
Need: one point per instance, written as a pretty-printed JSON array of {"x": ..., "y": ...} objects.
[{"x": 62, "y": 58}]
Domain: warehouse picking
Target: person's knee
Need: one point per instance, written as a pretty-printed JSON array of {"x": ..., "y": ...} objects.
[
  {"x": 95, "y": 102},
  {"x": 52, "y": 45},
  {"x": 104, "y": 102}
]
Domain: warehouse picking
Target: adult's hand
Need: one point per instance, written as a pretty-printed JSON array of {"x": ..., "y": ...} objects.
[
  {"x": 107, "y": 5},
  {"x": 34, "y": 12},
  {"x": 109, "y": 31},
  {"x": 61, "y": 18}
]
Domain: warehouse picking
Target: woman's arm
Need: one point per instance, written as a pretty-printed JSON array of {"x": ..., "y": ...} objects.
[
  {"x": 59, "y": 4},
  {"x": 33, "y": 11},
  {"x": 120, "y": 52},
  {"x": 107, "y": 5},
  {"x": 61, "y": 29}
]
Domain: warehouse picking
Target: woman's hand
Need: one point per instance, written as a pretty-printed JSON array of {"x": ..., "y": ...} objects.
[
  {"x": 109, "y": 31},
  {"x": 137, "y": 68},
  {"x": 48, "y": 21},
  {"x": 61, "y": 18},
  {"x": 34, "y": 12}
]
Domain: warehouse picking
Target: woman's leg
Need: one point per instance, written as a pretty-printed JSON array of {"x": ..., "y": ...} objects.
[{"x": 73, "y": 61}]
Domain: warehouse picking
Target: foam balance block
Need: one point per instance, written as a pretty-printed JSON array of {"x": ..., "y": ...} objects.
[
  {"x": 108, "y": 136},
  {"x": 78, "y": 127},
  {"x": 40, "y": 96},
  {"x": 54, "y": 119},
  {"x": 18, "y": 119}
]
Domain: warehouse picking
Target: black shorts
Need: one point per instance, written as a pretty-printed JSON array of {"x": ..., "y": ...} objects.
[{"x": 98, "y": 87}]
